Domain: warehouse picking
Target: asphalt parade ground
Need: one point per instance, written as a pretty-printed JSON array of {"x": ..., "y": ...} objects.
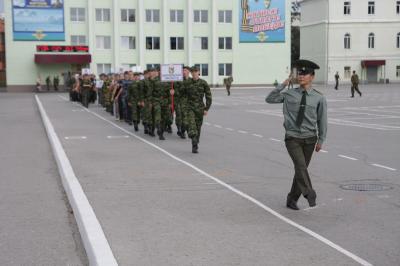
[{"x": 156, "y": 203}]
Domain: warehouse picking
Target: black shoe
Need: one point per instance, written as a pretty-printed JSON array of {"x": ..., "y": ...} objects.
[
  {"x": 311, "y": 198},
  {"x": 183, "y": 135},
  {"x": 135, "y": 125},
  {"x": 291, "y": 204},
  {"x": 130, "y": 123},
  {"x": 169, "y": 129},
  {"x": 195, "y": 149}
]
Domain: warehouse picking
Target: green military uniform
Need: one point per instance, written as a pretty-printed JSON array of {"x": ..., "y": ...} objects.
[
  {"x": 228, "y": 83},
  {"x": 180, "y": 100},
  {"x": 146, "y": 96},
  {"x": 194, "y": 109},
  {"x": 85, "y": 93},
  {"x": 305, "y": 123},
  {"x": 134, "y": 98},
  {"x": 354, "y": 84},
  {"x": 160, "y": 101}
]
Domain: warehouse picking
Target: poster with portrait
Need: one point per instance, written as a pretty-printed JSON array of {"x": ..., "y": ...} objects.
[
  {"x": 38, "y": 20},
  {"x": 262, "y": 21}
]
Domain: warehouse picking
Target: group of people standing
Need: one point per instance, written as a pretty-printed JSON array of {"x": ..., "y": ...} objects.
[{"x": 143, "y": 98}]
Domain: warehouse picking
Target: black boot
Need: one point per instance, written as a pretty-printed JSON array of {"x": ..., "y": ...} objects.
[
  {"x": 160, "y": 133},
  {"x": 179, "y": 131},
  {"x": 135, "y": 125},
  {"x": 169, "y": 129},
  {"x": 183, "y": 134},
  {"x": 195, "y": 147},
  {"x": 151, "y": 131},
  {"x": 291, "y": 203},
  {"x": 146, "y": 129}
]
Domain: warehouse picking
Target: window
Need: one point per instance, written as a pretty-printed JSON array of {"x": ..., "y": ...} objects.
[
  {"x": 201, "y": 16},
  {"x": 347, "y": 41},
  {"x": 347, "y": 72},
  {"x": 371, "y": 7},
  {"x": 347, "y": 8},
  {"x": 128, "y": 42},
  {"x": 225, "y": 43},
  {"x": 398, "y": 7},
  {"x": 398, "y": 71},
  {"x": 225, "y": 69},
  {"x": 203, "y": 69},
  {"x": 77, "y": 14},
  {"x": 103, "y": 14},
  {"x": 371, "y": 40},
  {"x": 103, "y": 42},
  {"x": 176, "y": 16},
  {"x": 152, "y": 15},
  {"x": 200, "y": 43},
  {"x": 148, "y": 66},
  {"x": 128, "y": 15},
  {"x": 103, "y": 68},
  {"x": 127, "y": 67},
  {"x": 398, "y": 40},
  {"x": 176, "y": 43},
  {"x": 153, "y": 43},
  {"x": 225, "y": 16},
  {"x": 78, "y": 40}
]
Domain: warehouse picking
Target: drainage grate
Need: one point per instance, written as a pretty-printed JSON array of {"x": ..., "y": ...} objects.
[{"x": 366, "y": 187}]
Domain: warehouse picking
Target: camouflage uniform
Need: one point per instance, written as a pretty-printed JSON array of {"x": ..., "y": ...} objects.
[
  {"x": 134, "y": 99},
  {"x": 161, "y": 101},
  {"x": 180, "y": 101},
  {"x": 107, "y": 94},
  {"x": 194, "y": 108},
  {"x": 85, "y": 93},
  {"x": 146, "y": 95}
]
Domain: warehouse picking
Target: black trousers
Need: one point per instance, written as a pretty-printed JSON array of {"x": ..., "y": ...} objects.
[{"x": 300, "y": 150}]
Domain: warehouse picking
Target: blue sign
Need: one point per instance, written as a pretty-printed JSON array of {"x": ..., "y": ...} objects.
[
  {"x": 38, "y": 20},
  {"x": 262, "y": 21}
]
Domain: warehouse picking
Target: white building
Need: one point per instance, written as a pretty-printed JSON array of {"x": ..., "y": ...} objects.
[{"x": 347, "y": 35}]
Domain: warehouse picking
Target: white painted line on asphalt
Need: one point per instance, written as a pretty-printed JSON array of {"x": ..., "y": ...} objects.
[
  {"x": 217, "y": 126},
  {"x": 96, "y": 245},
  {"x": 207, "y": 124},
  {"x": 229, "y": 129},
  {"x": 323, "y": 151},
  {"x": 276, "y": 140},
  {"x": 347, "y": 157},
  {"x": 242, "y": 131},
  {"x": 258, "y": 136},
  {"x": 243, "y": 195},
  {"x": 384, "y": 167},
  {"x": 383, "y": 196},
  {"x": 118, "y": 137},
  {"x": 75, "y": 137},
  {"x": 78, "y": 110}
]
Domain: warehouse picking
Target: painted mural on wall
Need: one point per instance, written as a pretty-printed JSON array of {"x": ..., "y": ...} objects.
[
  {"x": 262, "y": 21},
  {"x": 38, "y": 20}
]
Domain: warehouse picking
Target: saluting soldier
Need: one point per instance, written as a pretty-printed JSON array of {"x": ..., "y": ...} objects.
[
  {"x": 195, "y": 108},
  {"x": 305, "y": 122}
]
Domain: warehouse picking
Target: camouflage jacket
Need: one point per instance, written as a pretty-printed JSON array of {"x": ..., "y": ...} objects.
[{"x": 196, "y": 92}]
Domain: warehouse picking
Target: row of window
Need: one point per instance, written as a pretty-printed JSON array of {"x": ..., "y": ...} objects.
[
  {"x": 347, "y": 72},
  {"x": 371, "y": 8},
  {"x": 223, "y": 69},
  {"x": 78, "y": 14},
  {"x": 153, "y": 43},
  {"x": 371, "y": 40}
]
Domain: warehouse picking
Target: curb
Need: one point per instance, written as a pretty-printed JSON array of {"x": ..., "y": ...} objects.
[{"x": 96, "y": 245}]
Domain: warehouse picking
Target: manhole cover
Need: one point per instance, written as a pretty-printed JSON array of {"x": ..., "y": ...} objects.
[{"x": 366, "y": 187}]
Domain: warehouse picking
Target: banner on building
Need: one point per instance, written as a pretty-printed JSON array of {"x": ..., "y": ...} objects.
[
  {"x": 262, "y": 21},
  {"x": 38, "y": 20}
]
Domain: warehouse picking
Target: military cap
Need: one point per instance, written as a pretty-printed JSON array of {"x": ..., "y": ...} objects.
[
  {"x": 145, "y": 72},
  {"x": 195, "y": 69},
  {"x": 137, "y": 73},
  {"x": 305, "y": 67},
  {"x": 187, "y": 67}
]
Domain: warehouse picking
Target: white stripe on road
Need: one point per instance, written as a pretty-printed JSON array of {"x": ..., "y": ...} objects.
[
  {"x": 217, "y": 126},
  {"x": 258, "y": 136},
  {"x": 229, "y": 129},
  {"x": 323, "y": 151},
  {"x": 276, "y": 140},
  {"x": 384, "y": 167},
  {"x": 75, "y": 137},
  {"x": 96, "y": 245},
  {"x": 207, "y": 124},
  {"x": 242, "y": 132},
  {"x": 118, "y": 137},
  {"x": 347, "y": 157},
  {"x": 242, "y": 194}
]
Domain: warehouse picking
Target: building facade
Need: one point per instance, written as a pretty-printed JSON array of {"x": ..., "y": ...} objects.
[
  {"x": 3, "y": 81},
  {"x": 120, "y": 34},
  {"x": 346, "y": 35}
]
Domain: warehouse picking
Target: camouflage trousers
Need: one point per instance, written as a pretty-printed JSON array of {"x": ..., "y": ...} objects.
[
  {"x": 85, "y": 97},
  {"x": 136, "y": 111},
  {"x": 161, "y": 115},
  {"x": 179, "y": 115},
  {"x": 147, "y": 113},
  {"x": 193, "y": 120}
]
